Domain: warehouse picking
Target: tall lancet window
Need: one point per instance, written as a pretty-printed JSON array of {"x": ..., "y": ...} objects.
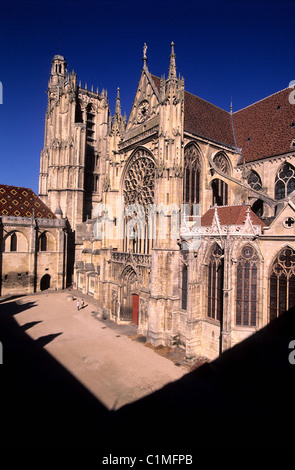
[
  {"x": 215, "y": 283},
  {"x": 13, "y": 242},
  {"x": 247, "y": 285},
  {"x": 192, "y": 172},
  {"x": 282, "y": 283},
  {"x": 138, "y": 192},
  {"x": 220, "y": 187}
]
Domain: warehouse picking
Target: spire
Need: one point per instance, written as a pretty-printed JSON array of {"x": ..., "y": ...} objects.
[
  {"x": 172, "y": 66},
  {"x": 118, "y": 103}
]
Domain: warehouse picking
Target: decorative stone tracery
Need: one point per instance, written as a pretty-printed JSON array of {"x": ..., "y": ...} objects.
[
  {"x": 222, "y": 163},
  {"x": 139, "y": 182}
]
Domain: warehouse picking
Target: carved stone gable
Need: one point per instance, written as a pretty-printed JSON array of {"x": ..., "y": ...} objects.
[{"x": 145, "y": 105}]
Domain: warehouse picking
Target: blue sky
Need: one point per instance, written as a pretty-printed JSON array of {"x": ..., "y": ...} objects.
[{"x": 224, "y": 49}]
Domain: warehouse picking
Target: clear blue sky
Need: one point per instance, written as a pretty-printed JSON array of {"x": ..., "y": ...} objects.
[{"x": 224, "y": 49}]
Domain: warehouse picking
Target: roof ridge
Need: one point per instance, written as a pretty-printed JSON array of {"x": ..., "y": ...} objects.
[
  {"x": 209, "y": 102},
  {"x": 234, "y": 205},
  {"x": 20, "y": 187},
  {"x": 262, "y": 99}
]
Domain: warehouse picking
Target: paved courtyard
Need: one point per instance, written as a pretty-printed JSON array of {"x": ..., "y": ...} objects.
[{"x": 104, "y": 357}]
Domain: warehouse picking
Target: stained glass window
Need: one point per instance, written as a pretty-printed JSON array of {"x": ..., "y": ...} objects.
[
  {"x": 192, "y": 171},
  {"x": 247, "y": 283},
  {"x": 285, "y": 181},
  {"x": 254, "y": 180},
  {"x": 215, "y": 283},
  {"x": 222, "y": 163},
  {"x": 282, "y": 283}
]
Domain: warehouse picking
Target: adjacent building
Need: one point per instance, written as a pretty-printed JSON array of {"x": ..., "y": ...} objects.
[{"x": 33, "y": 243}]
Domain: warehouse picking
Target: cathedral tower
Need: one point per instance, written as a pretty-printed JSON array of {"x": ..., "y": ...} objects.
[{"x": 72, "y": 165}]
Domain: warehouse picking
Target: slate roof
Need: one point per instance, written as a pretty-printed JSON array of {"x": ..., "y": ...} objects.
[
  {"x": 20, "y": 202},
  {"x": 231, "y": 215},
  {"x": 264, "y": 129}
]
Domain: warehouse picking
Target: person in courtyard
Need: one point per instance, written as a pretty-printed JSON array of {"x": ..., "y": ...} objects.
[{"x": 78, "y": 304}]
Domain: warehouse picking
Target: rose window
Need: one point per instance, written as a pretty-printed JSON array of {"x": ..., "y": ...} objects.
[{"x": 139, "y": 181}]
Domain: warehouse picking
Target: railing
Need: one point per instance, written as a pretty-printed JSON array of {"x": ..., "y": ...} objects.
[{"x": 137, "y": 258}]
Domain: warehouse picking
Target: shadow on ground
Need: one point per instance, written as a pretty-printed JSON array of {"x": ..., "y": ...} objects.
[{"x": 242, "y": 400}]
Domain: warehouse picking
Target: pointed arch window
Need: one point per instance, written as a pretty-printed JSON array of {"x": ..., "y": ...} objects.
[
  {"x": 254, "y": 180},
  {"x": 215, "y": 283},
  {"x": 13, "y": 242},
  {"x": 285, "y": 181},
  {"x": 282, "y": 283},
  {"x": 138, "y": 191},
  {"x": 191, "y": 181},
  {"x": 221, "y": 162},
  {"x": 247, "y": 287}
]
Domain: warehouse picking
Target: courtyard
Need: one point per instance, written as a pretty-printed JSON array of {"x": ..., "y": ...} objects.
[{"x": 110, "y": 360}]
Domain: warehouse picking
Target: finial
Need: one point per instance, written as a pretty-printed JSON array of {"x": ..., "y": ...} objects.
[
  {"x": 231, "y": 105},
  {"x": 144, "y": 55},
  {"x": 118, "y": 102}
]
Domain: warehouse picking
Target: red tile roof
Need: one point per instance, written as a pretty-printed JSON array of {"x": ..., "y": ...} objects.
[
  {"x": 263, "y": 129},
  {"x": 206, "y": 120},
  {"x": 231, "y": 215},
  {"x": 20, "y": 202}
]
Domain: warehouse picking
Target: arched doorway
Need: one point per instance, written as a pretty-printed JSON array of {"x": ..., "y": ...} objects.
[
  {"x": 129, "y": 296},
  {"x": 45, "y": 282}
]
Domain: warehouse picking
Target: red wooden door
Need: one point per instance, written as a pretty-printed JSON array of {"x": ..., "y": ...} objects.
[{"x": 135, "y": 308}]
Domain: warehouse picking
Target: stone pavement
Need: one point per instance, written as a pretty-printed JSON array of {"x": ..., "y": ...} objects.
[{"x": 100, "y": 354}]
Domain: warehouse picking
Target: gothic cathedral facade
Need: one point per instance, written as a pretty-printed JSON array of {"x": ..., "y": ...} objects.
[{"x": 183, "y": 215}]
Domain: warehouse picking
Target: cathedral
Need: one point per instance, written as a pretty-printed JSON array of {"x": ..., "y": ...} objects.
[{"x": 181, "y": 218}]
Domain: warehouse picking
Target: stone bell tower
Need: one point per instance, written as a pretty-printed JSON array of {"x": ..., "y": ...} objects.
[{"x": 72, "y": 160}]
